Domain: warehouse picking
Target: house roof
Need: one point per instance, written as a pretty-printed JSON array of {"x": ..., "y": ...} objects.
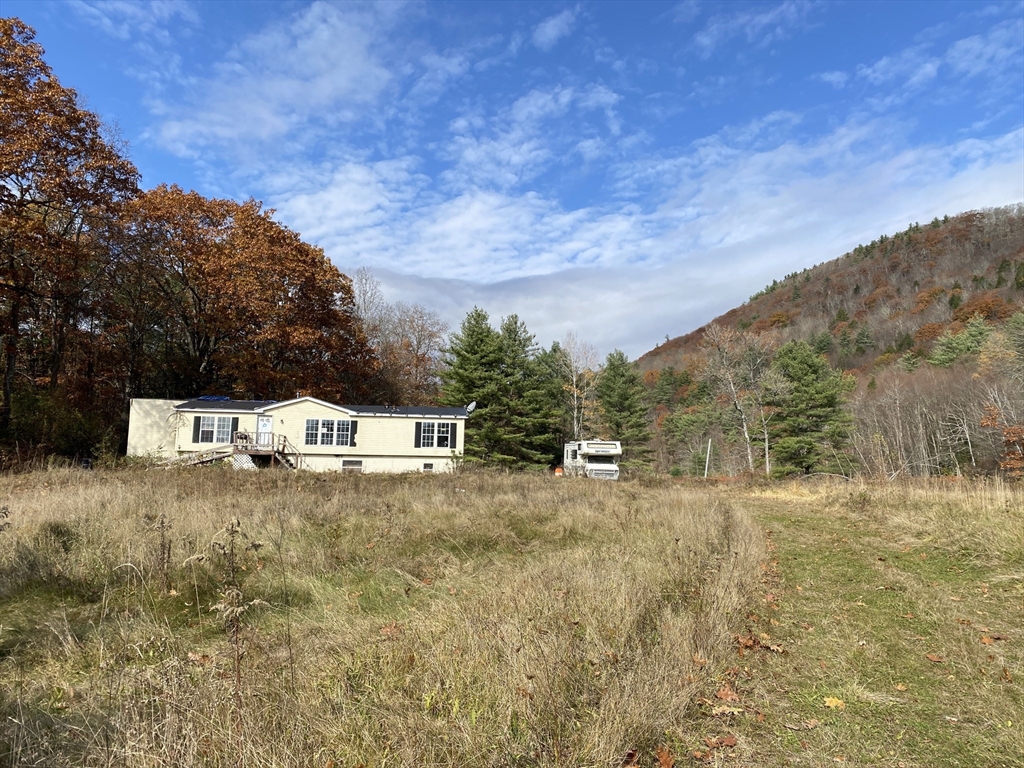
[
  {"x": 259, "y": 406},
  {"x": 231, "y": 406},
  {"x": 407, "y": 410}
]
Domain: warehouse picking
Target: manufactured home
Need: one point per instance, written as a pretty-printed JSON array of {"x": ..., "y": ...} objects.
[{"x": 304, "y": 433}]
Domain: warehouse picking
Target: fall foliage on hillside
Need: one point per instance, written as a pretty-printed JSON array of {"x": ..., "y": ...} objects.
[{"x": 925, "y": 326}]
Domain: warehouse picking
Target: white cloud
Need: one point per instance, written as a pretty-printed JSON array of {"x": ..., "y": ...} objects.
[
  {"x": 991, "y": 54},
  {"x": 905, "y": 65},
  {"x": 323, "y": 67},
  {"x": 835, "y": 79},
  {"x": 126, "y": 20},
  {"x": 748, "y": 239},
  {"x": 686, "y": 11},
  {"x": 523, "y": 140},
  {"x": 553, "y": 29},
  {"x": 759, "y": 27}
]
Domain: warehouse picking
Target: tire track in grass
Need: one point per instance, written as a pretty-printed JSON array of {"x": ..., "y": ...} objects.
[{"x": 889, "y": 632}]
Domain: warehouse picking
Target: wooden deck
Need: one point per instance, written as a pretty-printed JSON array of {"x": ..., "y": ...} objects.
[{"x": 248, "y": 450}]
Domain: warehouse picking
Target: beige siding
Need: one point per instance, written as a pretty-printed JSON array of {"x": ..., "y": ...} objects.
[
  {"x": 246, "y": 421},
  {"x": 151, "y": 427},
  {"x": 384, "y": 464},
  {"x": 384, "y": 443}
]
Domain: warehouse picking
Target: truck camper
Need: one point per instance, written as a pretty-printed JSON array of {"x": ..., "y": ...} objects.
[{"x": 592, "y": 458}]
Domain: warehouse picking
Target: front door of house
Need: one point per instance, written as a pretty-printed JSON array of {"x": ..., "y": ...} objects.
[{"x": 264, "y": 430}]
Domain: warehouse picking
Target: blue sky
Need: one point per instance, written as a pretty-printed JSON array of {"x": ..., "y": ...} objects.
[{"x": 624, "y": 170}]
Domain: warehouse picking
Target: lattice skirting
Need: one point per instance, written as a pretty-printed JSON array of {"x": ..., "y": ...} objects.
[{"x": 242, "y": 461}]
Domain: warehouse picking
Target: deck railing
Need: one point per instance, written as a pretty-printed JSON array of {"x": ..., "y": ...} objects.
[{"x": 267, "y": 442}]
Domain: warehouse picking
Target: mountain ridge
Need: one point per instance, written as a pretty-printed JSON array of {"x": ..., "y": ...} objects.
[{"x": 888, "y": 300}]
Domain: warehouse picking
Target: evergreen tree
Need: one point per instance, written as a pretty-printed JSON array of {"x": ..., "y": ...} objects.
[
  {"x": 620, "y": 394},
  {"x": 515, "y": 420},
  {"x": 526, "y": 415},
  {"x": 553, "y": 395},
  {"x": 472, "y": 373},
  {"x": 811, "y": 428}
]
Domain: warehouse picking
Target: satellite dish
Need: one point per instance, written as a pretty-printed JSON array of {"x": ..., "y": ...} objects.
[{"x": 470, "y": 408}]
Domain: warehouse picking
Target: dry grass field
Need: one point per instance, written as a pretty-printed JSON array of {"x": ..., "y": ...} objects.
[{"x": 491, "y": 620}]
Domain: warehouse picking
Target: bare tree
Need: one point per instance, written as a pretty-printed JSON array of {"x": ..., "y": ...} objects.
[
  {"x": 738, "y": 364},
  {"x": 580, "y": 367},
  {"x": 406, "y": 337}
]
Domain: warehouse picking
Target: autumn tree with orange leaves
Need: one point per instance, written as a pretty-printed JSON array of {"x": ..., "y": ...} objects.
[
  {"x": 244, "y": 306},
  {"x": 107, "y": 293},
  {"x": 62, "y": 183}
]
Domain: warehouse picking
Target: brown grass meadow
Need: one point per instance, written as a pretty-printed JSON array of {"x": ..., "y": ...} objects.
[{"x": 493, "y": 620}]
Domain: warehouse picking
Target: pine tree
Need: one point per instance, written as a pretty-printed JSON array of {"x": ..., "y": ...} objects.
[
  {"x": 620, "y": 394},
  {"x": 527, "y": 410},
  {"x": 472, "y": 373},
  {"x": 811, "y": 428},
  {"x": 515, "y": 421}
]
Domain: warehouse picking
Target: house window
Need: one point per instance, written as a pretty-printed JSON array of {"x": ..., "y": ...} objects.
[
  {"x": 429, "y": 467},
  {"x": 434, "y": 434},
  {"x": 312, "y": 431},
  {"x": 209, "y": 429},
  {"x": 355, "y": 466},
  {"x": 344, "y": 432},
  {"x": 326, "y": 432},
  {"x": 427, "y": 434},
  {"x": 223, "y": 429}
]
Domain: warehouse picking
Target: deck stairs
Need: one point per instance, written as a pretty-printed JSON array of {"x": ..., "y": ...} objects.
[{"x": 246, "y": 451}]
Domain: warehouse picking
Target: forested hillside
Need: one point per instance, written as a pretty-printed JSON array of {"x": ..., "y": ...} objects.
[
  {"x": 896, "y": 295},
  {"x": 921, "y": 336}
]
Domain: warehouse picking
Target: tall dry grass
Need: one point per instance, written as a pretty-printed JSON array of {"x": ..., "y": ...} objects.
[{"x": 416, "y": 620}]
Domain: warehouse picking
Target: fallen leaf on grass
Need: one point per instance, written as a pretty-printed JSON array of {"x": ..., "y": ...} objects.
[
  {"x": 665, "y": 757},
  {"x": 833, "y": 703},
  {"x": 986, "y": 640},
  {"x": 1006, "y": 675},
  {"x": 907, "y": 616},
  {"x": 901, "y": 686},
  {"x": 934, "y": 657},
  {"x": 726, "y": 693}
]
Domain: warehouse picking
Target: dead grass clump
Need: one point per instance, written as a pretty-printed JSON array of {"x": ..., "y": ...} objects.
[{"x": 459, "y": 620}]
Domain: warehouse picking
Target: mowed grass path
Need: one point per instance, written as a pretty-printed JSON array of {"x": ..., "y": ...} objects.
[{"x": 903, "y": 609}]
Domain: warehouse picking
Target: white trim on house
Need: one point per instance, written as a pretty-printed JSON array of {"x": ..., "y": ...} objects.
[{"x": 293, "y": 401}]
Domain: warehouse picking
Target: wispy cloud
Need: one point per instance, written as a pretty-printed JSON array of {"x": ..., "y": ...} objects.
[
  {"x": 323, "y": 67},
  {"x": 126, "y": 20},
  {"x": 551, "y": 30},
  {"x": 758, "y": 27},
  {"x": 834, "y": 78},
  {"x": 990, "y": 54},
  {"x": 685, "y": 12}
]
